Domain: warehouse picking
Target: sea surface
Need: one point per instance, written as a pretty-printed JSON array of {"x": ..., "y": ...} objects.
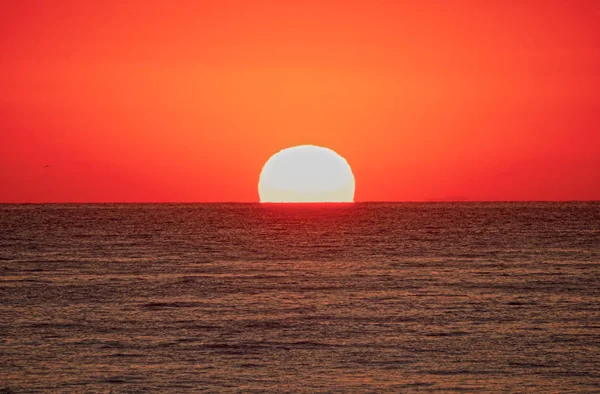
[{"x": 365, "y": 297}]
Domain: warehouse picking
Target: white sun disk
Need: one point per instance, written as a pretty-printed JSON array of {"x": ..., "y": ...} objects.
[{"x": 306, "y": 173}]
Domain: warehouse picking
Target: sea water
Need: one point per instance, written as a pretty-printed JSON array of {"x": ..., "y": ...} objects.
[{"x": 365, "y": 297}]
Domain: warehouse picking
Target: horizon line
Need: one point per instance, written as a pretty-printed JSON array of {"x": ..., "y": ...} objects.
[{"x": 432, "y": 201}]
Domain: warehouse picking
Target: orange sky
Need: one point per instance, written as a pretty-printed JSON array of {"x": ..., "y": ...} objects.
[{"x": 186, "y": 100}]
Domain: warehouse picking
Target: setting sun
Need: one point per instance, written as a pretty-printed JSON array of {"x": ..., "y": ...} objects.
[{"x": 306, "y": 173}]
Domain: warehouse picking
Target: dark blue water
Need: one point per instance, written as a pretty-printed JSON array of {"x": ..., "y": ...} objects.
[{"x": 312, "y": 298}]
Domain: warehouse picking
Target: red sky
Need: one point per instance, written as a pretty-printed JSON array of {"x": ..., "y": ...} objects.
[{"x": 186, "y": 100}]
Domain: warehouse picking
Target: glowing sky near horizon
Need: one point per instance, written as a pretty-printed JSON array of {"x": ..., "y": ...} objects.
[{"x": 186, "y": 100}]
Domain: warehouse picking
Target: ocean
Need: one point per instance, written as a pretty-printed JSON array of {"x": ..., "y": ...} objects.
[{"x": 254, "y": 298}]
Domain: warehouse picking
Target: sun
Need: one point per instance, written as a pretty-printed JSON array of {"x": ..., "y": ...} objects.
[{"x": 306, "y": 173}]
